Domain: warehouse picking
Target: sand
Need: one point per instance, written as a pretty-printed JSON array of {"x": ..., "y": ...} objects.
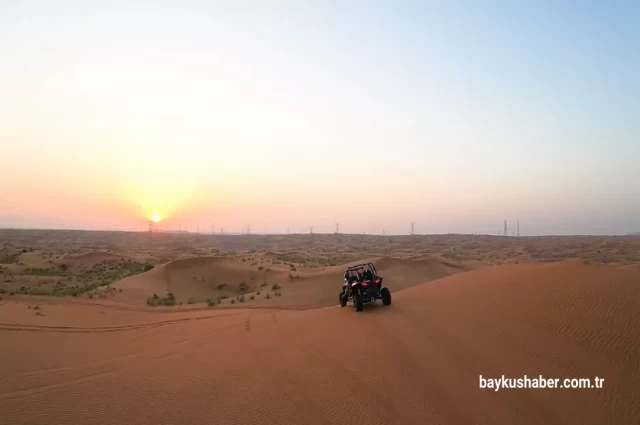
[{"x": 78, "y": 361}]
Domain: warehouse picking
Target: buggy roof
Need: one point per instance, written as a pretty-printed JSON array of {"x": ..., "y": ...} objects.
[{"x": 362, "y": 267}]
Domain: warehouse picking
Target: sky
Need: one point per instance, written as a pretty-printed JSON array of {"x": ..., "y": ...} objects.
[{"x": 290, "y": 114}]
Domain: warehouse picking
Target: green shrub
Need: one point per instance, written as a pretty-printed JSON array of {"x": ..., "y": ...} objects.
[{"x": 275, "y": 287}]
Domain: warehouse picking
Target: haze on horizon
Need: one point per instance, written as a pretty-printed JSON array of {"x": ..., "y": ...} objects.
[{"x": 286, "y": 114}]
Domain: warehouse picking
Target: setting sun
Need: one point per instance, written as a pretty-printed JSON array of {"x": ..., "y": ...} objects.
[{"x": 156, "y": 218}]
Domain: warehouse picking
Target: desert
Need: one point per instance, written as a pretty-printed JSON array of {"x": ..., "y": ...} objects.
[{"x": 253, "y": 333}]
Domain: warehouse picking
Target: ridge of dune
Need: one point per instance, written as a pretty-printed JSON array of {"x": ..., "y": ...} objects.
[
  {"x": 215, "y": 276},
  {"x": 416, "y": 361}
]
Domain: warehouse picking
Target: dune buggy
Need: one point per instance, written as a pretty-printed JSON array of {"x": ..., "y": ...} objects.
[{"x": 362, "y": 285}]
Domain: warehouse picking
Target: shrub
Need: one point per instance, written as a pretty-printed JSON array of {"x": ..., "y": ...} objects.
[
  {"x": 251, "y": 297},
  {"x": 241, "y": 298},
  {"x": 212, "y": 303},
  {"x": 233, "y": 301},
  {"x": 147, "y": 267},
  {"x": 169, "y": 300},
  {"x": 267, "y": 296},
  {"x": 260, "y": 268},
  {"x": 221, "y": 286},
  {"x": 275, "y": 287}
]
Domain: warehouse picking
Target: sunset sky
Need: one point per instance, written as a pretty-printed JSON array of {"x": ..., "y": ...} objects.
[{"x": 287, "y": 114}]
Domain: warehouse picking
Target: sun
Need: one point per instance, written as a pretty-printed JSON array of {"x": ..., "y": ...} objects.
[{"x": 155, "y": 218}]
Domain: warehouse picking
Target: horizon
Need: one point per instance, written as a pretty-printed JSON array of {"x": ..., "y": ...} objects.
[
  {"x": 240, "y": 233},
  {"x": 454, "y": 116}
]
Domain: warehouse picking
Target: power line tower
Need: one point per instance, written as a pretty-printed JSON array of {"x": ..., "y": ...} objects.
[
  {"x": 198, "y": 229},
  {"x": 311, "y": 230},
  {"x": 213, "y": 229},
  {"x": 248, "y": 229},
  {"x": 337, "y": 228},
  {"x": 518, "y": 229},
  {"x": 150, "y": 226},
  {"x": 413, "y": 228},
  {"x": 383, "y": 234},
  {"x": 505, "y": 228}
]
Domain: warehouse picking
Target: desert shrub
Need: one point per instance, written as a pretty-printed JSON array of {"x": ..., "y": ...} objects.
[
  {"x": 90, "y": 296},
  {"x": 212, "y": 303},
  {"x": 221, "y": 286},
  {"x": 44, "y": 272},
  {"x": 260, "y": 268},
  {"x": 241, "y": 298},
  {"x": 251, "y": 297},
  {"x": 267, "y": 296},
  {"x": 275, "y": 287},
  {"x": 258, "y": 293},
  {"x": 147, "y": 267},
  {"x": 243, "y": 286},
  {"x": 277, "y": 294},
  {"x": 169, "y": 300},
  {"x": 64, "y": 267},
  {"x": 233, "y": 301},
  {"x": 2, "y": 291},
  {"x": 268, "y": 269},
  {"x": 292, "y": 268}
]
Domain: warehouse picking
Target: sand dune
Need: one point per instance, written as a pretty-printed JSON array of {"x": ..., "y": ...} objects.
[
  {"x": 417, "y": 361},
  {"x": 211, "y": 277}
]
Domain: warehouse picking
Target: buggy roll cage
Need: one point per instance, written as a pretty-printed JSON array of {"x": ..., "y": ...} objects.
[{"x": 360, "y": 268}]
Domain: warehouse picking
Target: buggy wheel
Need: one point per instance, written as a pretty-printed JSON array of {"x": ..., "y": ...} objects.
[
  {"x": 343, "y": 299},
  {"x": 357, "y": 301},
  {"x": 386, "y": 296}
]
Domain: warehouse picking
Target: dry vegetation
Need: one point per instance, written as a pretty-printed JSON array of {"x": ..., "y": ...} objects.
[{"x": 85, "y": 263}]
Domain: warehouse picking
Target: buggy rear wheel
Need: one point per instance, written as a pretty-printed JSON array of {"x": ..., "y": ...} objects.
[
  {"x": 386, "y": 296},
  {"x": 343, "y": 299},
  {"x": 357, "y": 301}
]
